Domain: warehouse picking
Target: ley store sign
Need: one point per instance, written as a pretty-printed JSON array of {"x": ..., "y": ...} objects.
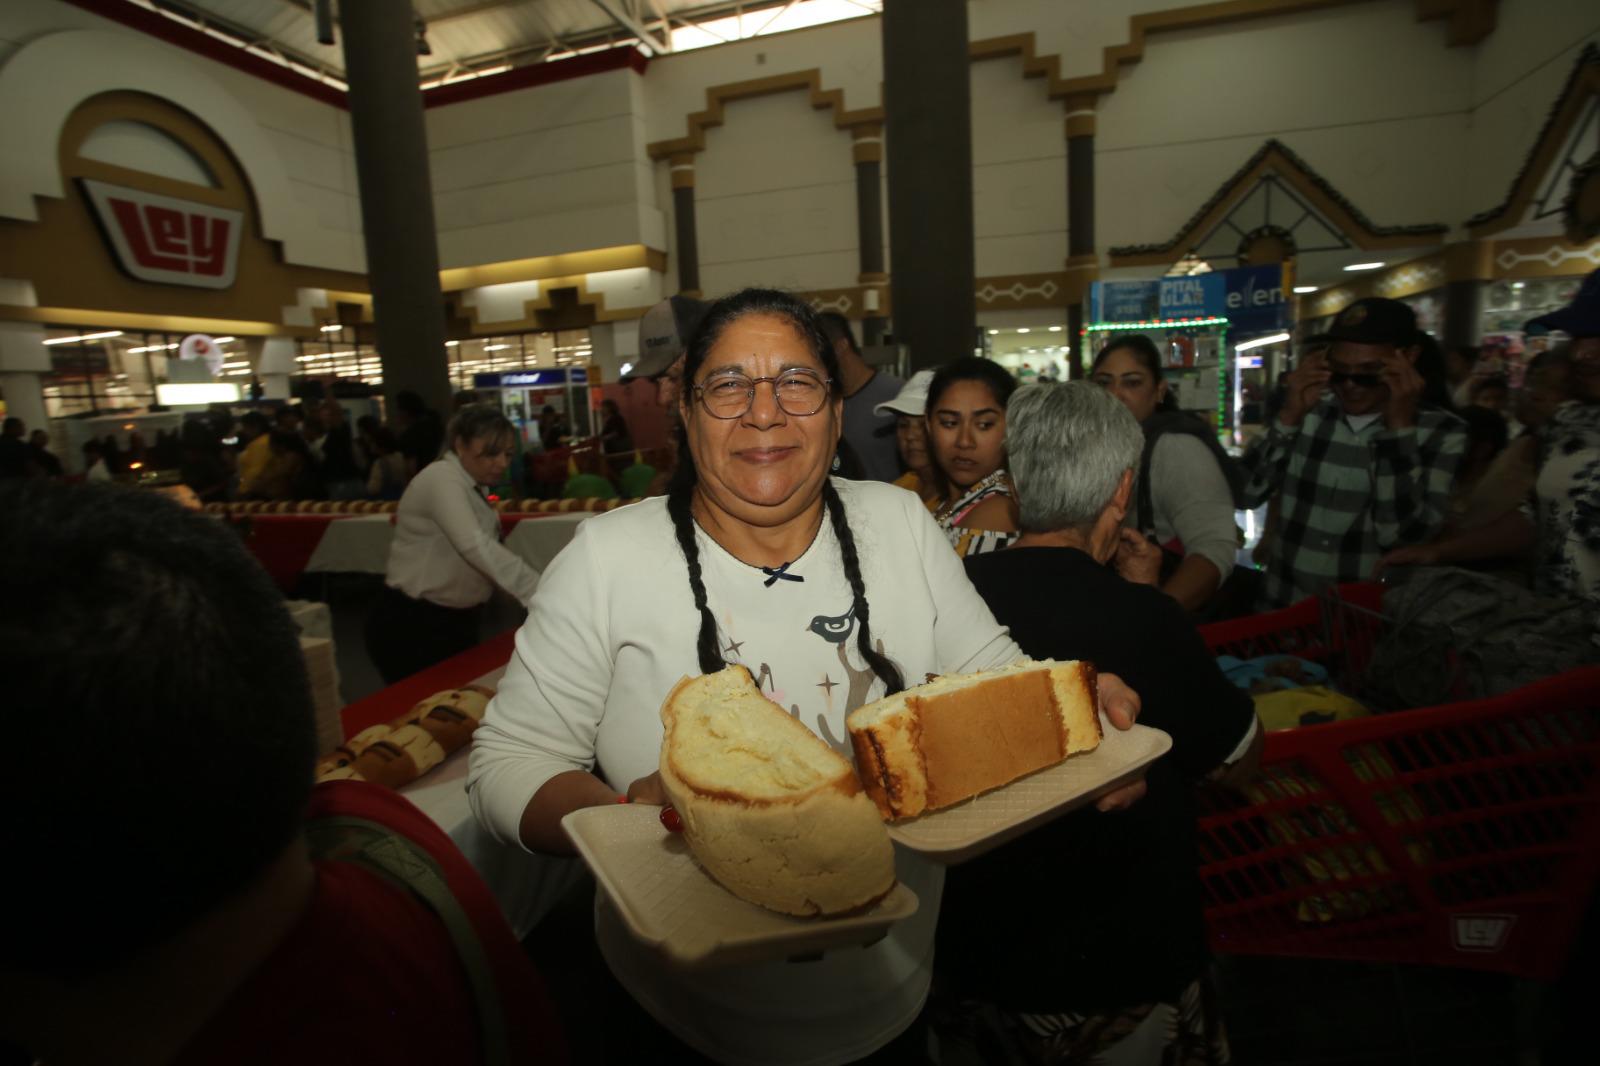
[
  {"x": 1250, "y": 298},
  {"x": 167, "y": 240}
]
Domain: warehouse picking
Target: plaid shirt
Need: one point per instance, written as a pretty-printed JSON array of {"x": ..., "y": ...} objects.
[{"x": 1347, "y": 496}]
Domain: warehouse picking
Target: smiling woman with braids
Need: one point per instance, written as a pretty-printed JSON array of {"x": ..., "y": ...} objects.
[{"x": 831, "y": 592}]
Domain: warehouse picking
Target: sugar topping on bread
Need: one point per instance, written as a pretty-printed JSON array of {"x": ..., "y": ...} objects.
[{"x": 770, "y": 811}]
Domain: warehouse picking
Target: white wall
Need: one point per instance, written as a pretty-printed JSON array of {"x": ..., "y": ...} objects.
[
  {"x": 549, "y": 169},
  {"x": 1365, "y": 95},
  {"x": 1411, "y": 130},
  {"x": 775, "y": 199},
  {"x": 1517, "y": 73},
  {"x": 848, "y": 54},
  {"x": 1019, "y": 172}
]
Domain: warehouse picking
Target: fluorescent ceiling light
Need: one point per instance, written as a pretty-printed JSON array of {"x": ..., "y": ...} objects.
[
  {"x": 1022, "y": 329},
  {"x": 85, "y": 337},
  {"x": 451, "y": 344},
  {"x": 624, "y": 371},
  {"x": 1259, "y": 341},
  {"x": 1303, "y": 289},
  {"x": 1363, "y": 266},
  {"x": 992, "y": 332},
  {"x": 187, "y": 394},
  {"x": 334, "y": 327},
  {"x": 495, "y": 347},
  {"x": 1055, "y": 329}
]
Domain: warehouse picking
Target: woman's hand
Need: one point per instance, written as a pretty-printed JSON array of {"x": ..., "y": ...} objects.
[
  {"x": 1120, "y": 705},
  {"x": 1137, "y": 560},
  {"x": 648, "y": 790}
]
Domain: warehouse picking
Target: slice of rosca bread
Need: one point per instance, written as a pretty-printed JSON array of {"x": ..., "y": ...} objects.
[
  {"x": 946, "y": 741},
  {"x": 452, "y": 716},
  {"x": 770, "y": 811}
]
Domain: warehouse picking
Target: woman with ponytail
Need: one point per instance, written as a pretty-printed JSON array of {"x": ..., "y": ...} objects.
[{"x": 832, "y": 593}]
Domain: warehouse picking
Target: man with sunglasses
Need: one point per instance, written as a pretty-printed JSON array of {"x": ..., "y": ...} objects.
[{"x": 1360, "y": 463}]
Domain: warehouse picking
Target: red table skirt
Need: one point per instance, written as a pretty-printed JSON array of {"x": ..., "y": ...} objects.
[{"x": 389, "y": 703}]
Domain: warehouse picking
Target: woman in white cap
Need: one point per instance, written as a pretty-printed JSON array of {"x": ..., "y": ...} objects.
[{"x": 911, "y": 435}]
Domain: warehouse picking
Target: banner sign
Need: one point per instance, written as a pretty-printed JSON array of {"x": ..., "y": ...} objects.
[
  {"x": 1251, "y": 298},
  {"x": 167, "y": 240}
]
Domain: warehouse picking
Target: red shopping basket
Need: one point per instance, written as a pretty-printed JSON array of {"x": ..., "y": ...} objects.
[
  {"x": 1461, "y": 835},
  {"x": 1338, "y": 630}
]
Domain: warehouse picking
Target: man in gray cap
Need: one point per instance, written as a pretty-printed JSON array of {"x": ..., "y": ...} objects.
[{"x": 664, "y": 334}]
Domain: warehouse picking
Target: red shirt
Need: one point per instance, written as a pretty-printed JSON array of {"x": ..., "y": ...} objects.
[{"x": 369, "y": 974}]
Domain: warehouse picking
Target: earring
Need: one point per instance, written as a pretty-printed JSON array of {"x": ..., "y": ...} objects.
[{"x": 835, "y": 462}]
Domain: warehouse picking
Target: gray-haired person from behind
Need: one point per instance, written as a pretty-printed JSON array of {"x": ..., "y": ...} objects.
[
  {"x": 1129, "y": 987},
  {"x": 1074, "y": 456}
]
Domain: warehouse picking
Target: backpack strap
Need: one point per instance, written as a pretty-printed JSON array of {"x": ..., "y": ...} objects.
[{"x": 405, "y": 864}]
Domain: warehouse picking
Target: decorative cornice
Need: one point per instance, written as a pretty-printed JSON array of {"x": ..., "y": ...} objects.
[
  {"x": 1274, "y": 155},
  {"x": 1467, "y": 17},
  {"x": 719, "y": 96},
  {"x": 1580, "y": 212},
  {"x": 1583, "y": 82},
  {"x": 1470, "y": 22}
]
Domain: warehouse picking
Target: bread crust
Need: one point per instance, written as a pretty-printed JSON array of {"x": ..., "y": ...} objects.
[{"x": 943, "y": 743}]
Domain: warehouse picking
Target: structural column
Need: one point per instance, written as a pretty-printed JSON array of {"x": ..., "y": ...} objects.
[
  {"x": 928, "y": 130},
  {"x": 682, "y": 168},
  {"x": 1082, "y": 260},
  {"x": 380, "y": 54},
  {"x": 867, "y": 147},
  {"x": 23, "y": 360},
  {"x": 1468, "y": 266}
]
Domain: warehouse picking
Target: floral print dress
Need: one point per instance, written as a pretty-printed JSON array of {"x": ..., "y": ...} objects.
[
  {"x": 1566, "y": 509},
  {"x": 964, "y": 539}
]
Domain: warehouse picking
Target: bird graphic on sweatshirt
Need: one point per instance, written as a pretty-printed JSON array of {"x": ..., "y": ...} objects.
[{"x": 834, "y": 629}]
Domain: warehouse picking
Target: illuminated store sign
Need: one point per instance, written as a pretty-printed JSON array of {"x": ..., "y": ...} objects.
[
  {"x": 522, "y": 379},
  {"x": 167, "y": 240}
]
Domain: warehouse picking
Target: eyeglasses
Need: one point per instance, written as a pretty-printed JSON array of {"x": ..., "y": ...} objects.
[
  {"x": 798, "y": 392},
  {"x": 1366, "y": 381}
]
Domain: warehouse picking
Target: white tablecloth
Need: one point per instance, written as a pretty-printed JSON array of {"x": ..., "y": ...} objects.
[
  {"x": 526, "y": 885},
  {"x": 360, "y": 544},
  {"x": 355, "y": 545}
]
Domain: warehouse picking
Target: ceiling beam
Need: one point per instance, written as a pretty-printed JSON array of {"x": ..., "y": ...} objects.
[{"x": 650, "y": 41}]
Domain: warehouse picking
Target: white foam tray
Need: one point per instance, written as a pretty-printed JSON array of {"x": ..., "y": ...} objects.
[{"x": 666, "y": 899}]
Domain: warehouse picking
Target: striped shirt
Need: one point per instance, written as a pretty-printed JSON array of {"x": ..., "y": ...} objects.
[{"x": 1348, "y": 495}]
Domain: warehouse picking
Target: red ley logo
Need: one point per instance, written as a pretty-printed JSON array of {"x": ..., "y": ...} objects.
[
  {"x": 162, "y": 239},
  {"x": 1481, "y": 932}
]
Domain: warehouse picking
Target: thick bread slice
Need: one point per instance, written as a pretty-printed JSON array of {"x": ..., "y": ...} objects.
[
  {"x": 770, "y": 811},
  {"x": 946, "y": 741}
]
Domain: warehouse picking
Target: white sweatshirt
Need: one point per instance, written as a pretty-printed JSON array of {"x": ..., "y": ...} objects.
[
  {"x": 446, "y": 546},
  {"x": 612, "y": 629}
]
